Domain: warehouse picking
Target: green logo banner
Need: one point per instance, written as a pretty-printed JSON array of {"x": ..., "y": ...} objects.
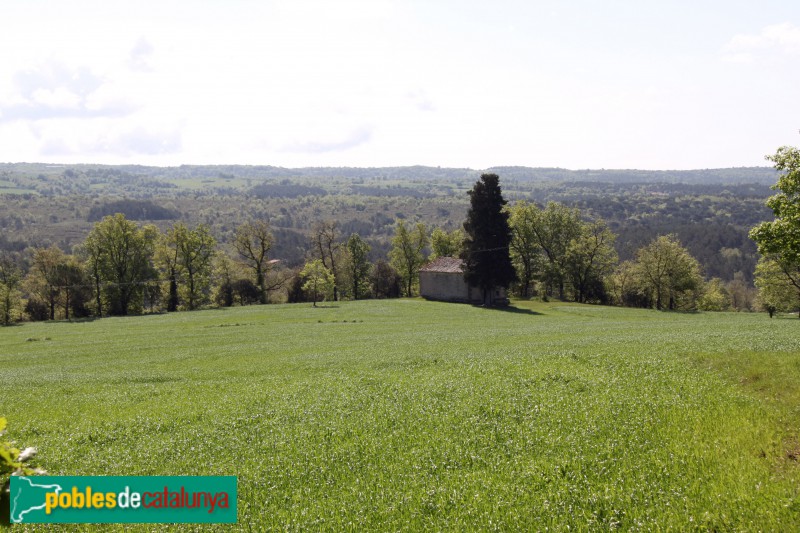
[{"x": 123, "y": 499}]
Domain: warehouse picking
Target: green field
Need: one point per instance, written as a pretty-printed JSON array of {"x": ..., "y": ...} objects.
[{"x": 406, "y": 414}]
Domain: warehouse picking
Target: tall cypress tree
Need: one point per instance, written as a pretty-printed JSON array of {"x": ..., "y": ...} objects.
[{"x": 486, "y": 249}]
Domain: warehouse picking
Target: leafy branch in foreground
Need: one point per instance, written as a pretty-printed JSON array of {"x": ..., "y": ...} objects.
[
  {"x": 779, "y": 240},
  {"x": 13, "y": 462}
]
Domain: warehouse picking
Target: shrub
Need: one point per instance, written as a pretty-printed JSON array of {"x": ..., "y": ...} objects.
[{"x": 13, "y": 461}]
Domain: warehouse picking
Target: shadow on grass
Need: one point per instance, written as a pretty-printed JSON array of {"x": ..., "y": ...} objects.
[
  {"x": 82, "y": 319},
  {"x": 508, "y": 309}
]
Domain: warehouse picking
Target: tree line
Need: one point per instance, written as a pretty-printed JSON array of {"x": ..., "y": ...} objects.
[
  {"x": 711, "y": 220},
  {"x": 123, "y": 268}
]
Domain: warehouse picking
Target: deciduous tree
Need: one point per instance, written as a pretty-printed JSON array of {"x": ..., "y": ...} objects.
[
  {"x": 42, "y": 281},
  {"x": 357, "y": 265},
  {"x": 92, "y": 254},
  {"x": 10, "y": 297},
  {"x": 319, "y": 280},
  {"x": 668, "y": 275},
  {"x": 554, "y": 228},
  {"x": 776, "y": 291},
  {"x": 590, "y": 257},
  {"x": 166, "y": 259},
  {"x": 526, "y": 254},
  {"x": 385, "y": 280},
  {"x": 407, "y": 255},
  {"x": 623, "y": 285},
  {"x": 224, "y": 277},
  {"x": 742, "y": 294},
  {"x": 253, "y": 241},
  {"x": 325, "y": 240},
  {"x": 444, "y": 244},
  {"x": 715, "y": 297},
  {"x": 71, "y": 283},
  {"x": 124, "y": 255},
  {"x": 195, "y": 251},
  {"x": 779, "y": 240}
]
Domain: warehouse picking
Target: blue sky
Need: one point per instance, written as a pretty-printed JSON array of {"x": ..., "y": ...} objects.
[{"x": 582, "y": 84}]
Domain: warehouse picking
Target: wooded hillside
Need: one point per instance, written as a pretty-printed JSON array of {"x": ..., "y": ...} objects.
[{"x": 709, "y": 210}]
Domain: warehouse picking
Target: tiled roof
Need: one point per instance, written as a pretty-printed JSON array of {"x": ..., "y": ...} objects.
[{"x": 444, "y": 264}]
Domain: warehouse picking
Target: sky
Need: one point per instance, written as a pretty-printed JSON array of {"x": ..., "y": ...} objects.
[{"x": 469, "y": 84}]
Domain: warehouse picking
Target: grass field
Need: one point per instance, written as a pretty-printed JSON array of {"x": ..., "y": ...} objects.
[{"x": 387, "y": 415}]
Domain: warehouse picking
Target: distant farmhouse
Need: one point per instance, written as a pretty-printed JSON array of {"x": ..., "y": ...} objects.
[{"x": 443, "y": 279}]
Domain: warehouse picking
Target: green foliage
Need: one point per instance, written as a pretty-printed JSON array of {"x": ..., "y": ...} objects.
[
  {"x": 406, "y": 255},
  {"x": 196, "y": 248},
  {"x": 711, "y": 211},
  {"x": 667, "y": 275},
  {"x": 253, "y": 240},
  {"x": 568, "y": 255},
  {"x": 486, "y": 254},
  {"x": 715, "y": 297},
  {"x": 444, "y": 244},
  {"x": 10, "y": 296},
  {"x": 526, "y": 253},
  {"x": 57, "y": 281},
  {"x": 412, "y": 415},
  {"x": 357, "y": 265},
  {"x": 385, "y": 281},
  {"x": 13, "y": 461},
  {"x": 623, "y": 285},
  {"x": 225, "y": 274},
  {"x": 776, "y": 291},
  {"x": 327, "y": 248},
  {"x": 554, "y": 228},
  {"x": 121, "y": 256},
  {"x": 779, "y": 240},
  {"x": 742, "y": 294},
  {"x": 166, "y": 259},
  {"x": 319, "y": 280},
  {"x": 590, "y": 258},
  {"x": 42, "y": 281},
  {"x": 781, "y": 235}
]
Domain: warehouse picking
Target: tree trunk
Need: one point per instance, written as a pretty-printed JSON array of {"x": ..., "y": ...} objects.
[
  {"x": 97, "y": 296},
  {"x": 172, "y": 302},
  {"x": 191, "y": 292},
  {"x": 262, "y": 293}
]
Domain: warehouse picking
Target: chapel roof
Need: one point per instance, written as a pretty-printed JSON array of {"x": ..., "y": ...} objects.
[{"x": 444, "y": 264}]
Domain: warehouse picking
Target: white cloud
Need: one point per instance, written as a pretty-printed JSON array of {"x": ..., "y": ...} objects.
[
  {"x": 54, "y": 90},
  {"x": 104, "y": 139},
  {"x": 336, "y": 143},
  {"x": 374, "y": 82},
  {"x": 140, "y": 56},
  {"x": 781, "y": 39},
  {"x": 58, "y": 98}
]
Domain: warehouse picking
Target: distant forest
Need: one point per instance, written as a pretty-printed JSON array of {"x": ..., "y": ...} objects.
[{"x": 709, "y": 210}]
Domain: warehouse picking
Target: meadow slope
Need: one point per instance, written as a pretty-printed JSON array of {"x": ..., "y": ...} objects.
[{"x": 407, "y": 414}]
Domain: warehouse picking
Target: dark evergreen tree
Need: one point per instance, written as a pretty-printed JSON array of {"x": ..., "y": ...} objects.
[{"x": 486, "y": 255}]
